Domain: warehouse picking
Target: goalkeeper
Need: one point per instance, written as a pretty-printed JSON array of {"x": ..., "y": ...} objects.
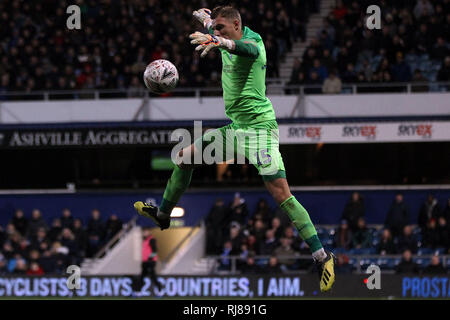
[{"x": 243, "y": 83}]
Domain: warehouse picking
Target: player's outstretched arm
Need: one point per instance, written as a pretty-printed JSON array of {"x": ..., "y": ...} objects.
[{"x": 206, "y": 42}]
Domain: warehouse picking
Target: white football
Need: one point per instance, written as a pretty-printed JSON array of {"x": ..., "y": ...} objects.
[{"x": 161, "y": 76}]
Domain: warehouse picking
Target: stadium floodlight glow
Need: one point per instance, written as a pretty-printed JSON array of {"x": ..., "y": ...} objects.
[{"x": 177, "y": 212}]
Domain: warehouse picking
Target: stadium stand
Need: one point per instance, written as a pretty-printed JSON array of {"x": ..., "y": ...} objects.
[
  {"x": 120, "y": 38},
  {"x": 412, "y": 46}
]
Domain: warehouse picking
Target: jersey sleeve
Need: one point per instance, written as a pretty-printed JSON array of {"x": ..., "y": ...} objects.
[{"x": 246, "y": 48}]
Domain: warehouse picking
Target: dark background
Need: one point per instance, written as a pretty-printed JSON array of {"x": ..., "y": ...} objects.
[{"x": 130, "y": 167}]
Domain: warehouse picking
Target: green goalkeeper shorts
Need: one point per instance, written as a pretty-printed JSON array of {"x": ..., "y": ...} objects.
[{"x": 258, "y": 143}]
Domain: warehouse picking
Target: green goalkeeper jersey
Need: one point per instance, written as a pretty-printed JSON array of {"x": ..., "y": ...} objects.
[{"x": 244, "y": 81}]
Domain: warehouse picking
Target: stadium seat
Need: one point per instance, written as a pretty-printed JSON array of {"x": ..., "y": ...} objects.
[
  {"x": 422, "y": 262},
  {"x": 424, "y": 251}
]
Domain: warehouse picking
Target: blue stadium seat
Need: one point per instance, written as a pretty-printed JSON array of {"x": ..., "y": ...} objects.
[
  {"x": 439, "y": 251},
  {"x": 367, "y": 262},
  {"x": 424, "y": 57},
  {"x": 375, "y": 242},
  {"x": 320, "y": 231},
  {"x": 386, "y": 263},
  {"x": 424, "y": 251},
  {"x": 414, "y": 66},
  {"x": 337, "y": 251},
  {"x": 411, "y": 58},
  {"x": 422, "y": 262}
]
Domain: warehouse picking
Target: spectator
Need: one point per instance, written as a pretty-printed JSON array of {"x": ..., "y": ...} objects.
[
  {"x": 285, "y": 254},
  {"x": 296, "y": 70},
  {"x": 444, "y": 233},
  {"x": 315, "y": 82},
  {"x": 419, "y": 78},
  {"x": 60, "y": 254},
  {"x": 429, "y": 209},
  {"x": 263, "y": 211},
  {"x": 55, "y": 230},
  {"x": 283, "y": 218},
  {"x": 34, "y": 256},
  {"x": 243, "y": 255},
  {"x": 113, "y": 226},
  {"x": 253, "y": 244},
  {"x": 3, "y": 269},
  {"x": 273, "y": 267},
  {"x": 215, "y": 222},
  {"x": 423, "y": 8},
  {"x": 68, "y": 240},
  {"x": 239, "y": 210},
  {"x": 398, "y": 216},
  {"x": 81, "y": 237},
  {"x": 407, "y": 241},
  {"x": 343, "y": 236},
  {"x": 277, "y": 227},
  {"x": 236, "y": 238},
  {"x": 259, "y": 231},
  {"x": 444, "y": 72},
  {"x": 225, "y": 262},
  {"x": 66, "y": 219},
  {"x": 36, "y": 222},
  {"x": 290, "y": 232},
  {"x": 149, "y": 259},
  {"x": 7, "y": 250},
  {"x": 327, "y": 61},
  {"x": 340, "y": 10},
  {"x": 342, "y": 264},
  {"x": 20, "y": 267},
  {"x": 446, "y": 211},
  {"x": 407, "y": 265},
  {"x": 24, "y": 247},
  {"x": 440, "y": 49},
  {"x": 318, "y": 68},
  {"x": 361, "y": 239},
  {"x": 354, "y": 209},
  {"x": 48, "y": 262},
  {"x": 41, "y": 237},
  {"x": 350, "y": 75},
  {"x": 250, "y": 267},
  {"x": 35, "y": 270},
  {"x": 401, "y": 70},
  {"x": 269, "y": 244},
  {"x": 435, "y": 267},
  {"x": 332, "y": 84},
  {"x": 96, "y": 232},
  {"x": 430, "y": 235},
  {"x": 386, "y": 245},
  {"x": 20, "y": 222}
]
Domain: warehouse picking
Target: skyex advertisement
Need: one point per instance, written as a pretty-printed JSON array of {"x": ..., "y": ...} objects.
[
  {"x": 241, "y": 286},
  {"x": 405, "y": 131}
]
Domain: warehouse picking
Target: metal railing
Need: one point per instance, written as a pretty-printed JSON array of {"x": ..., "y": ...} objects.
[
  {"x": 116, "y": 238},
  {"x": 358, "y": 264},
  {"x": 274, "y": 86}
]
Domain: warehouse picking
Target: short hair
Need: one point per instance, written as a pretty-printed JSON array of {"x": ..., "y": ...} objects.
[{"x": 227, "y": 12}]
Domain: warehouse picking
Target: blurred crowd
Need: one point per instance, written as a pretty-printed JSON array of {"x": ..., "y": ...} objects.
[
  {"x": 412, "y": 46},
  {"x": 29, "y": 246},
  {"x": 232, "y": 230},
  {"x": 118, "y": 38}
]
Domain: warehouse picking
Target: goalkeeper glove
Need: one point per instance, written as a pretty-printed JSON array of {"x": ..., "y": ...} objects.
[
  {"x": 204, "y": 16},
  {"x": 207, "y": 42}
]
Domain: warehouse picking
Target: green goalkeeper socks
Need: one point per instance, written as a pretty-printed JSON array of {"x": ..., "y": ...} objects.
[
  {"x": 176, "y": 186},
  {"x": 302, "y": 222}
]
